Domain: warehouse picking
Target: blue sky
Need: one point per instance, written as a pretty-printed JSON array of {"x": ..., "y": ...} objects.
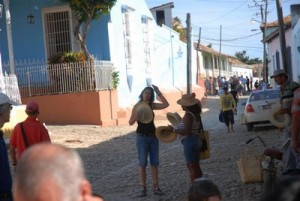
[{"x": 238, "y": 33}]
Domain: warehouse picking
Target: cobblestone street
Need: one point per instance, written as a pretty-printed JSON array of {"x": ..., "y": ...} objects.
[{"x": 111, "y": 163}]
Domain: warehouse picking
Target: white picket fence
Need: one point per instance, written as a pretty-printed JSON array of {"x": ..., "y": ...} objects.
[{"x": 36, "y": 77}]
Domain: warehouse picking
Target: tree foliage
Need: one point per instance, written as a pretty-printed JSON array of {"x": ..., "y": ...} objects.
[
  {"x": 86, "y": 11},
  {"x": 242, "y": 56},
  {"x": 177, "y": 26}
]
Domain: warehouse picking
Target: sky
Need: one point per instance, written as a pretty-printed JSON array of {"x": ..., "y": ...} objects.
[{"x": 238, "y": 33}]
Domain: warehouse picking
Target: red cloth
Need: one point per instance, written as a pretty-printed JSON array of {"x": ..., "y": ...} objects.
[{"x": 34, "y": 131}]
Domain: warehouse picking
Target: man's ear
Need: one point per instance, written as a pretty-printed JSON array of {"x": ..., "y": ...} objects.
[{"x": 85, "y": 188}]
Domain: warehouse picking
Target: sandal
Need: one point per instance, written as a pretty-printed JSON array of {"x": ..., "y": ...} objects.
[
  {"x": 157, "y": 191},
  {"x": 143, "y": 192}
]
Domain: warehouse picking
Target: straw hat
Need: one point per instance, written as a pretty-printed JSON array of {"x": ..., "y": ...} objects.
[
  {"x": 174, "y": 118},
  {"x": 165, "y": 134},
  {"x": 279, "y": 120},
  {"x": 145, "y": 113},
  {"x": 188, "y": 100}
]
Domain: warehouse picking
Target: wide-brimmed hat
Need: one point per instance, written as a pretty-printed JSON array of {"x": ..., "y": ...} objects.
[
  {"x": 279, "y": 120},
  {"x": 174, "y": 118},
  {"x": 279, "y": 72},
  {"x": 5, "y": 99},
  {"x": 145, "y": 113},
  {"x": 188, "y": 100},
  {"x": 165, "y": 134}
]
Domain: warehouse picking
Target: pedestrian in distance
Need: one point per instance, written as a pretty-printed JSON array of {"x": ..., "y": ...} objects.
[
  {"x": 189, "y": 129},
  {"x": 204, "y": 190},
  {"x": 51, "y": 172},
  {"x": 236, "y": 98},
  {"x": 287, "y": 89},
  {"x": 5, "y": 174},
  {"x": 147, "y": 143},
  {"x": 227, "y": 106},
  {"x": 27, "y": 133}
]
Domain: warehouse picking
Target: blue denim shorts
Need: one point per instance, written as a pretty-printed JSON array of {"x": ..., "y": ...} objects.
[
  {"x": 147, "y": 146},
  {"x": 192, "y": 148}
]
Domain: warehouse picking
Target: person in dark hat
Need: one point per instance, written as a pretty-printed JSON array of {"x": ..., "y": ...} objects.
[
  {"x": 227, "y": 106},
  {"x": 27, "y": 133},
  {"x": 287, "y": 89}
]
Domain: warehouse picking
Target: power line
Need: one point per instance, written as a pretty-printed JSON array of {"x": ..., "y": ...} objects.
[{"x": 233, "y": 39}]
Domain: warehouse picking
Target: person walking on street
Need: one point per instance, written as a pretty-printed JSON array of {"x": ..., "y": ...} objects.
[
  {"x": 189, "y": 129},
  {"x": 287, "y": 89},
  {"x": 236, "y": 98},
  {"x": 27, "y": 133},
  {"x": 227, "y": 105},
  {"x": 51, "y": 172},
  {"x": 5, "y": 174},
  {"x": 146, "y": 141}
]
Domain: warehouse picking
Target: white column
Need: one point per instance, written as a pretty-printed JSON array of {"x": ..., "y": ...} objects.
[{"x": 9, "y": 37}]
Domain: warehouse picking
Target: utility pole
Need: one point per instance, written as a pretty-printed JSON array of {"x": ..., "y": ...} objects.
[
  {"x": 282, "y": 35},
  {"x": 264, "y": 22},
  {"x": 189, "y": 53},
  {"x": 197, "y": 50},
  {"x": 219, "y": 60},
  {"x": 266, "y": 69}
]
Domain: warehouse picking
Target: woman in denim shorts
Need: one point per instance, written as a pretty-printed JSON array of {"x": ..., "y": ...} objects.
[
  {"x": 146, "y": 141},
  {"x": 189, "y": 129}
]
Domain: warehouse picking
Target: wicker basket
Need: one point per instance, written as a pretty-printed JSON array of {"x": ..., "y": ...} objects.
[{"x": 250, "y": 168}]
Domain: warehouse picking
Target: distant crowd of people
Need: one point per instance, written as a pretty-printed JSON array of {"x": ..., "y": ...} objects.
[{"x": 243, "y": 85}]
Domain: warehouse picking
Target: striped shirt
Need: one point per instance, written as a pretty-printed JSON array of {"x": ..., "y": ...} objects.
[
  {"x": 296, "y": 102},
  {"x": 195, "y": 125}
]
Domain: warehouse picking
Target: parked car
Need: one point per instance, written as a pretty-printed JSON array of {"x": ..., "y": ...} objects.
[{"x": 259, "y": 106}]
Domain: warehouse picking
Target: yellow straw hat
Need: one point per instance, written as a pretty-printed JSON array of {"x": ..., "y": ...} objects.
[
  {"x": 165, "y": 134},
  {"x": 188, "y": 100},
  {"x": 145, "y": 113},
  {"x": 174, "y": 118}
]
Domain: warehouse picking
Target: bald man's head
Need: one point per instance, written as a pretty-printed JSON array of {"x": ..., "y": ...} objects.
[{"x": 46, "y": 168}]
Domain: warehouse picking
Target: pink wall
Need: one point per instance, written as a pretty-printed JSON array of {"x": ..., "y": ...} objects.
[{"x": 95, "y": 108}]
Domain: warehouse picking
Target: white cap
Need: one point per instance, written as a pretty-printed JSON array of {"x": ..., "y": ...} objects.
[{"x": 5, "y": 99}]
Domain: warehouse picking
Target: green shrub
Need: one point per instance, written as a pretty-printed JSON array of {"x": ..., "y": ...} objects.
[
  {"x": 66, "y": 57},
  {"x": 116, "y": 79}
]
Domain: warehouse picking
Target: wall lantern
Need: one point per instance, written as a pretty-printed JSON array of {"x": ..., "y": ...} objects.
[
  {"x": 30, "y": 19},
  {"x": 298, "y": 48}
]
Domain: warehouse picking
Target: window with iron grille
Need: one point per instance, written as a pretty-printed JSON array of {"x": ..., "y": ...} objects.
[
  {"x": 127, "y": 35},
  {"x": 57, "y": 30},
  {"x": 146, "y": 40}
]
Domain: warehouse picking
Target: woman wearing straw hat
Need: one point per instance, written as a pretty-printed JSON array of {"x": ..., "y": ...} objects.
[
  {"x": 146, "y": 141},
  {"x": 189, "y": 128}
]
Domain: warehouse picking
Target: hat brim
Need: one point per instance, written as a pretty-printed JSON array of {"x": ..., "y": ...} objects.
[
  {"x": 278, "y": 74},
  {"x": 13, "y": 102},
  {"x": 145, "y": 113},
  {"x": 174, "y": 118},
  {"x": 165, "y": 134},
  {"x": 279, "y": 120},
  {"x": 185, "y": 102}
]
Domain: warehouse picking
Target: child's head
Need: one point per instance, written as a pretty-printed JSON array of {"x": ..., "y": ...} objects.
[{"x": 204, "y": 190}]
